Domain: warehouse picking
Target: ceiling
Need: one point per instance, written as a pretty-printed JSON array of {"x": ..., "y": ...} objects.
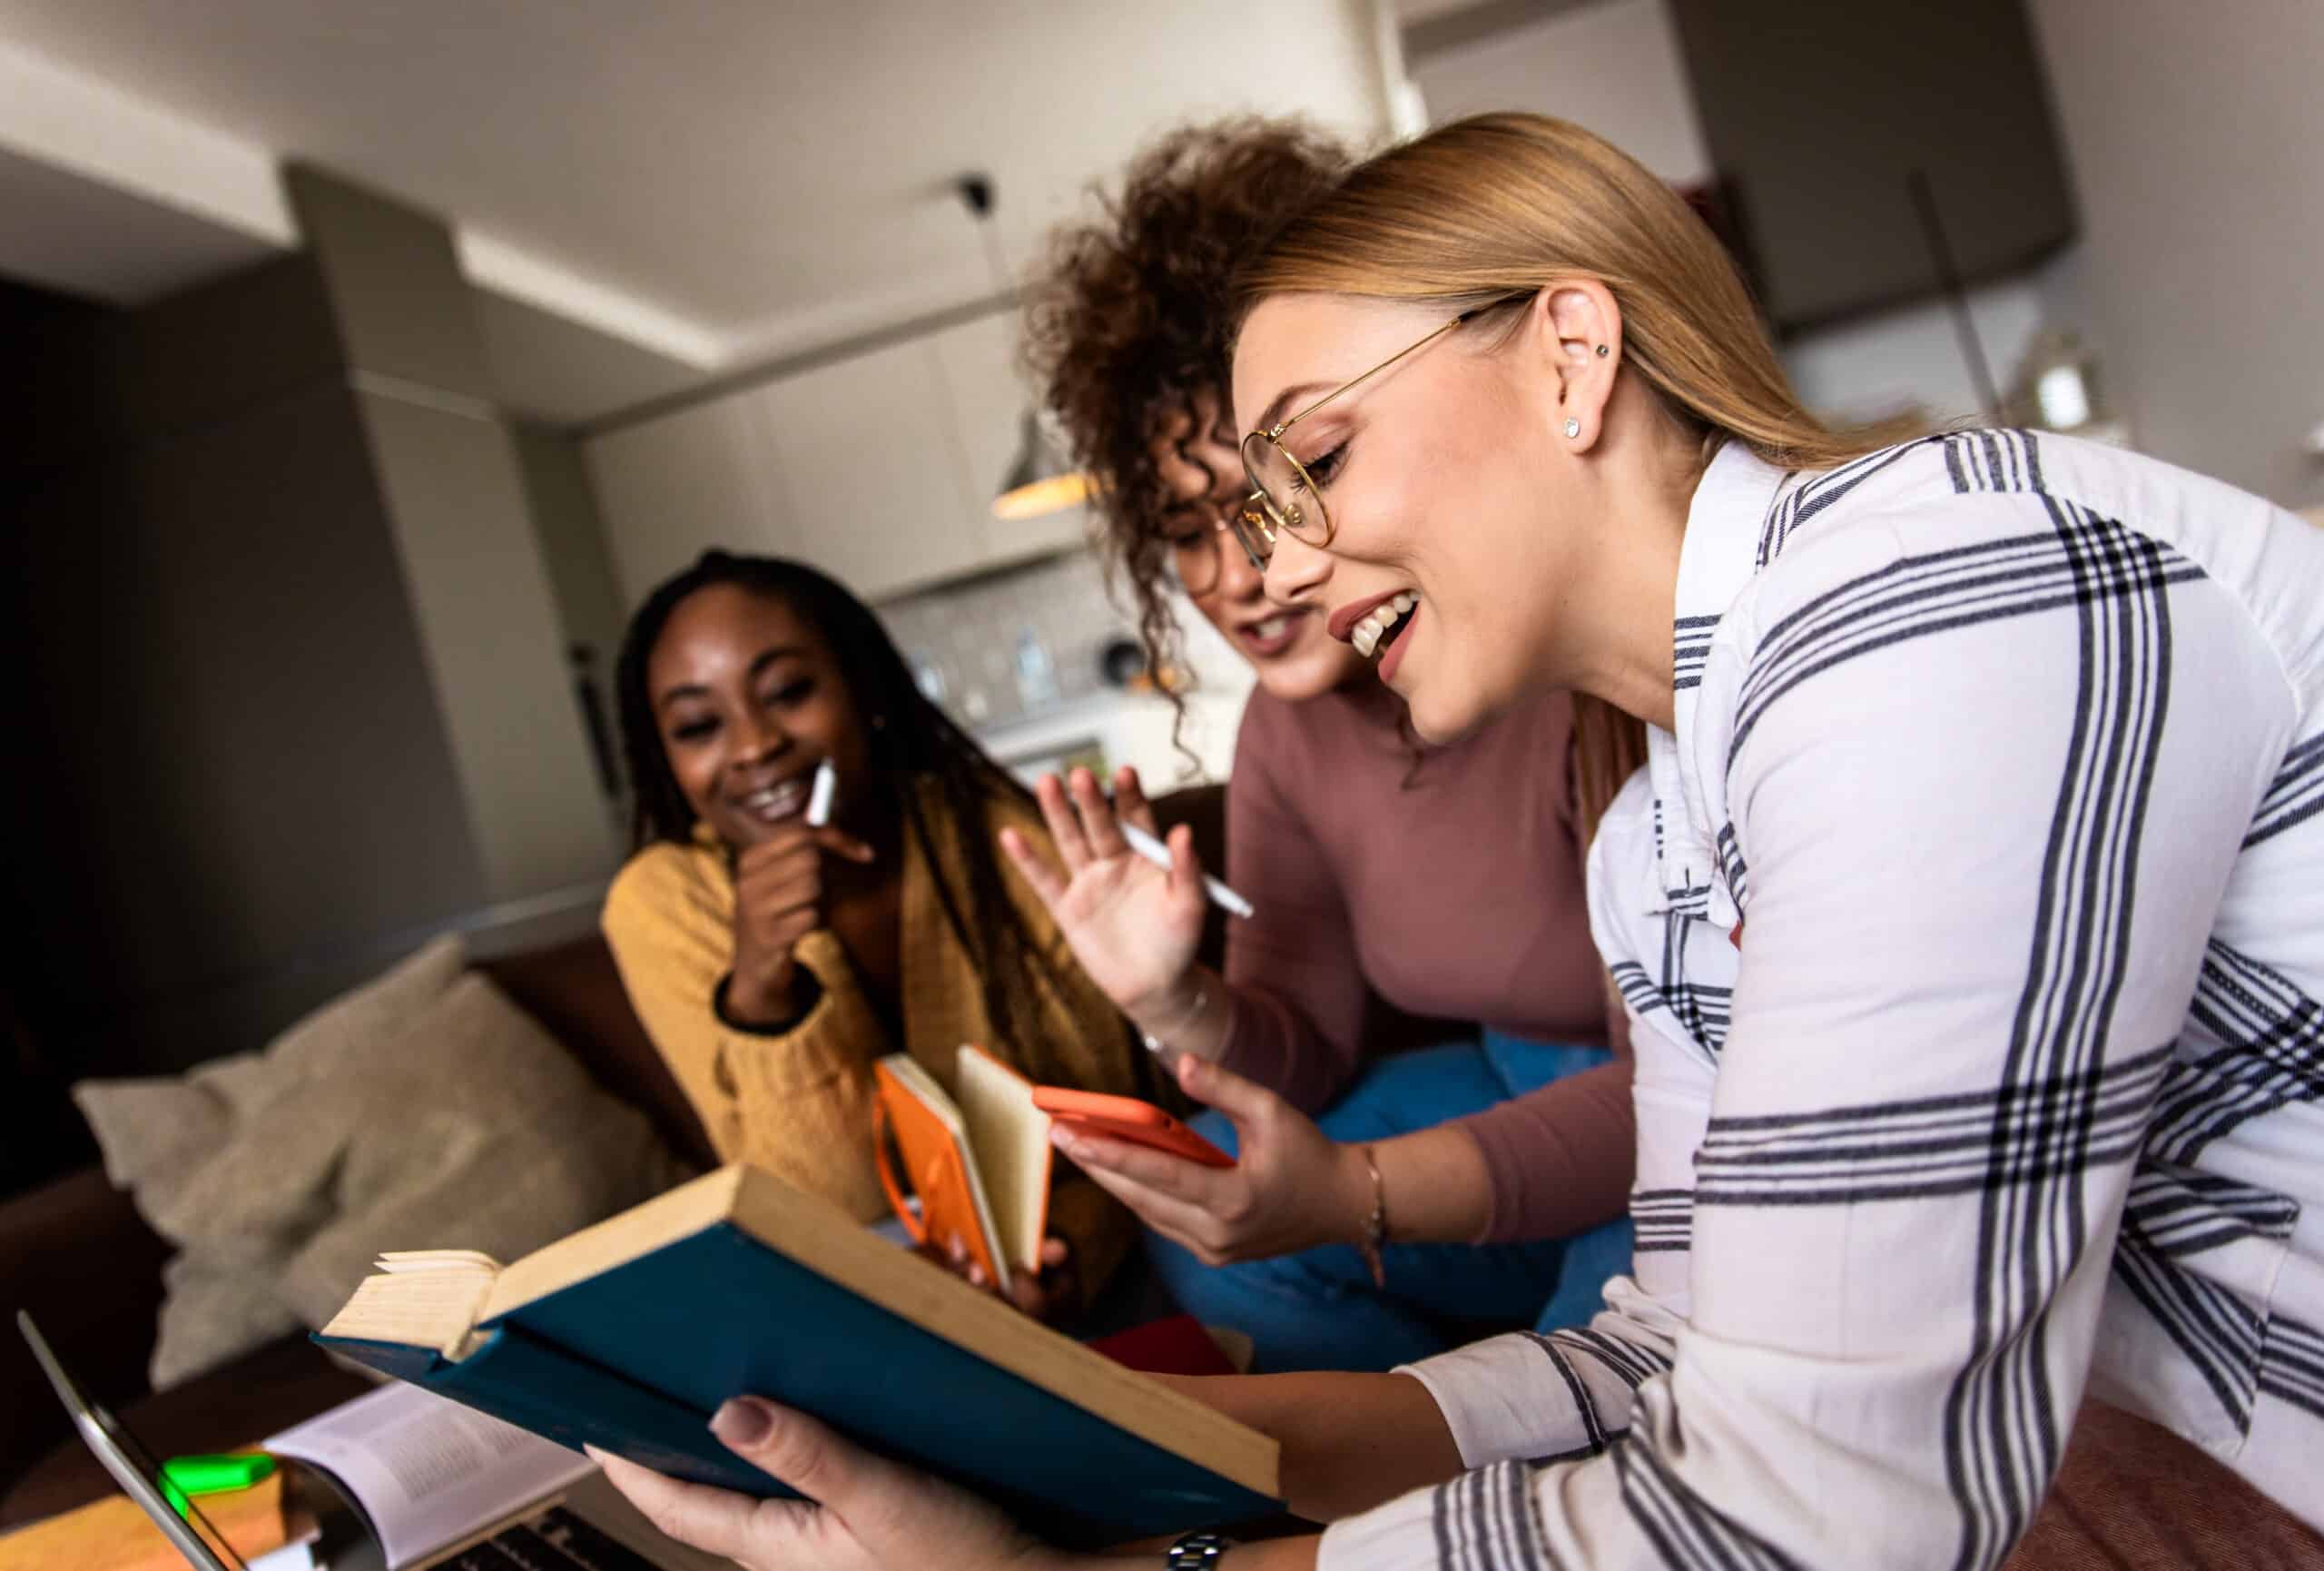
[{"x": 716, "y": 180}]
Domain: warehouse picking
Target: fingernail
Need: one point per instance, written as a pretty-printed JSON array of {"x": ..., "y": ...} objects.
[
  {"x": 593, "y": 1453},
  {"x": 742, "y": 1421}
]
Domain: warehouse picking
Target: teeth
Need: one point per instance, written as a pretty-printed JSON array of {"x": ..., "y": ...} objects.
[
  {"x": 774, "y": 801},
  {"x": 1368, "y": 633}
]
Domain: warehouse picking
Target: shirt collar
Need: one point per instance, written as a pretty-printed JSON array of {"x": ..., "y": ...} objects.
[{"x": 1718, "y": 557}]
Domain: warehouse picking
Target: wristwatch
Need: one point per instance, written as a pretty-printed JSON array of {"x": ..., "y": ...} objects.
[{"x": 1196, "y": 1551}]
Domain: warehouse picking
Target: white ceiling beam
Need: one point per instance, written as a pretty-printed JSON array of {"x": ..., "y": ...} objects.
[
  {"x": 77, "y": 124},
  {"x": 54, "y": 116},
  {"x": 518, "y": 275}
]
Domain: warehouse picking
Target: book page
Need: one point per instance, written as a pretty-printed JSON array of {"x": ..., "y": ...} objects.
[
  {"x": 423, "y": 1307},
  {"x": 1011, "y": 1138},
  {"x": 428, "y": 1472}
]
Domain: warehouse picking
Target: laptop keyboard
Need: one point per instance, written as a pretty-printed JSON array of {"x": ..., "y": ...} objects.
[{"x": 556, "y": 1541}]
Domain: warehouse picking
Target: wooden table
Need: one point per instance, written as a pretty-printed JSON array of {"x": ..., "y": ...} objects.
[{"x": 114, "y": 1534}]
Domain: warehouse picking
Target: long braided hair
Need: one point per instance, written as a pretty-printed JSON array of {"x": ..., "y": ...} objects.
[{"x": 930, "y": 764}]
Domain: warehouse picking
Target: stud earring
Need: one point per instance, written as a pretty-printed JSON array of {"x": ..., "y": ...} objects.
[
  {"x": 1573, "y": 428},
  {"x": 1603, "y": 351}
]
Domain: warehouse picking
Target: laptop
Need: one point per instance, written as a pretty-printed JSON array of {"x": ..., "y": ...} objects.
[{"x": 583, "y": 1527}]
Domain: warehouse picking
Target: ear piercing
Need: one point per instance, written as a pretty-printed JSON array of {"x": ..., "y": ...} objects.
[{"x": 1573, "y": 428}]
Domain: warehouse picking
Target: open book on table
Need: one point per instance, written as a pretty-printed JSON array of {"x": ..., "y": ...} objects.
[
  {"x": 629, "y": 1334},
  {"x": 429, "y": 1476}
]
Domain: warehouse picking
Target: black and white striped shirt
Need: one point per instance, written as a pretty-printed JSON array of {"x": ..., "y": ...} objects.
[{"x": 1971, "y": 923}]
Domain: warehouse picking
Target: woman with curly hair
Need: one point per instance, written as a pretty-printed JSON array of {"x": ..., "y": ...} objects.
[{"x": 1432, "y": 1191}]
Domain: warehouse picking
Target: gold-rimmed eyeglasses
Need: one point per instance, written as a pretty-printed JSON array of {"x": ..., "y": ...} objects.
[
  {"x": 1283, "y": 497},
  {"x": 1194, "y": 547}
]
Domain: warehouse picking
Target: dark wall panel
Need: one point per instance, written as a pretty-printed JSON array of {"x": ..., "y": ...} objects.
[{"x": 1818, "y": 112}]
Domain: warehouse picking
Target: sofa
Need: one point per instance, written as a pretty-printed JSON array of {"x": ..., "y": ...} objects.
[{"x": 77, "y": 1254}]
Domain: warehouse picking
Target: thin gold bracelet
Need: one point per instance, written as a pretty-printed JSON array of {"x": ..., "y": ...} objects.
[
  {"x": 1375, "y": 1226},
  {"x": 1157, "y": 1040}
]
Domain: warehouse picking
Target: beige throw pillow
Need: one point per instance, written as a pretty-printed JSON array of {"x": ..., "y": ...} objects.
[{"x": 424, "y": 1111}]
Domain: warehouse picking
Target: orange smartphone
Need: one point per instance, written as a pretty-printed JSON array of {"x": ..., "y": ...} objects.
[{"x": 1127, "y": 1118}]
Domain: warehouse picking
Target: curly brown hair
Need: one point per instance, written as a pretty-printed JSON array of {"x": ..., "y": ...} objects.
[{"x": 1127, "y": 326}]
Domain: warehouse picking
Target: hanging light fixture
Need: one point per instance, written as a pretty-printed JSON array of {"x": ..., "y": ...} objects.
[{"x": 1039, "y": 483}]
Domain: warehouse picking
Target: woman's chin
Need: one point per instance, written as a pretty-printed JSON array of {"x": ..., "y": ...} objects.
[
  {"x": 1316, "y": 665},
  {"x": 1443, "y": 709}
]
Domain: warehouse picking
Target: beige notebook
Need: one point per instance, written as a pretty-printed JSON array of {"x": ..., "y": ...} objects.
[{"x": 1009, "y": 1138}]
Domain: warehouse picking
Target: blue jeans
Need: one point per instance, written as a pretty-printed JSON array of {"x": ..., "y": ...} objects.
[{"x": 1318, "y": 1309}]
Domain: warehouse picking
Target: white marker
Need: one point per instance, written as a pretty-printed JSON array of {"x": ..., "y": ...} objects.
[
  {"x": 818, "y": 795},
  {"x": 1157, "y": 853}
]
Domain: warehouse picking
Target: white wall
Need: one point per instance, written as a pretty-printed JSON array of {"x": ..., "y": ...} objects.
[
  {"x": 2195, "y": 135},
  {"x": 1910, "y": 360}
]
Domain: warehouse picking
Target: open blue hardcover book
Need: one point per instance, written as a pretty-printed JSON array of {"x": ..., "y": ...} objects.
[{"x": 628, "y": 1335}]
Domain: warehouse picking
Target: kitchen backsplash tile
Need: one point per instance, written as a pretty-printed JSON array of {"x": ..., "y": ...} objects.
[{"x": 1002, "y": 646}]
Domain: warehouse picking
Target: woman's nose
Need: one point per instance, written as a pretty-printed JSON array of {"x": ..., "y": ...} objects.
[
  {"x": 758, "y": 736},
  {"x": 1239, "y": 578},
  {"x": 1296, "y": 571}
]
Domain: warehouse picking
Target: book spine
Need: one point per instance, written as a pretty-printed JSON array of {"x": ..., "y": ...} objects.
[{"x": 536, "y": 1385}]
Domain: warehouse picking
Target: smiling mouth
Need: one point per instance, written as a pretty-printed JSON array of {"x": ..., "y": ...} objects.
[
  {"x": 1271, "y": 629},
  {"x": 1378, "y": 628},
  {"x": 774, "y": 804}
]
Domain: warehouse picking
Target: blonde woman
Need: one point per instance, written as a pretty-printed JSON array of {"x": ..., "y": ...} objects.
[{"x": 1969, "y": 909}]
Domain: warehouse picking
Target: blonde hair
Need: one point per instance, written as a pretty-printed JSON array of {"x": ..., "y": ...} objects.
[{"x": 1503, "y": 205}]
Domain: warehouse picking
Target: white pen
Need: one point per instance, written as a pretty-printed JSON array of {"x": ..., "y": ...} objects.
[
  {"x": 1157, "y": 853},
  {"x": 819, "y": 794}
]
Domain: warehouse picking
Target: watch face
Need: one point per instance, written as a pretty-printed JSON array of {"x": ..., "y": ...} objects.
[{"x": 1196, "y": 1552}]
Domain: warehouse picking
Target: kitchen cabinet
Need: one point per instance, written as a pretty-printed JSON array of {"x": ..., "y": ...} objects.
[
  {"x": 879, "y": 467},
  {"x": 870, "y": 469},
  {"x": 670, "y": 488},
  {"x": 1817, "y": 114}
]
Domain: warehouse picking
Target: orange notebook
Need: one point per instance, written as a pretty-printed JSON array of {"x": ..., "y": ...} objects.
[{"x": 976, "y": 1156}]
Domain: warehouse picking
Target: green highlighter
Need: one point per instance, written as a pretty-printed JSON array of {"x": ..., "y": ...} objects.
[{"x": 190, "y": 1476}]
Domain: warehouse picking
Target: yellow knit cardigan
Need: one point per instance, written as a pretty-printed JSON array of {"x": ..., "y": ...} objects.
[{"x": 799, "y": 1103}]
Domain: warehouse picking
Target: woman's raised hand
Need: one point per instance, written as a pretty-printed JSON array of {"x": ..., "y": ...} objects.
[
  {"x": 1292, "y": 1186},
  {"x": 1133, "y": 926},
  {"x": 863, "y": 1512},
  {"x": 778, "y": 900}
]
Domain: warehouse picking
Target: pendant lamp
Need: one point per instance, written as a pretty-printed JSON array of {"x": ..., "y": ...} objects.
[{"x": 1038, "y": 481}]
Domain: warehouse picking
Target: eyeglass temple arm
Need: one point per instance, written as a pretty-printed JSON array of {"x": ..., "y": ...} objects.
[{"x": 1289, "y": 420}]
